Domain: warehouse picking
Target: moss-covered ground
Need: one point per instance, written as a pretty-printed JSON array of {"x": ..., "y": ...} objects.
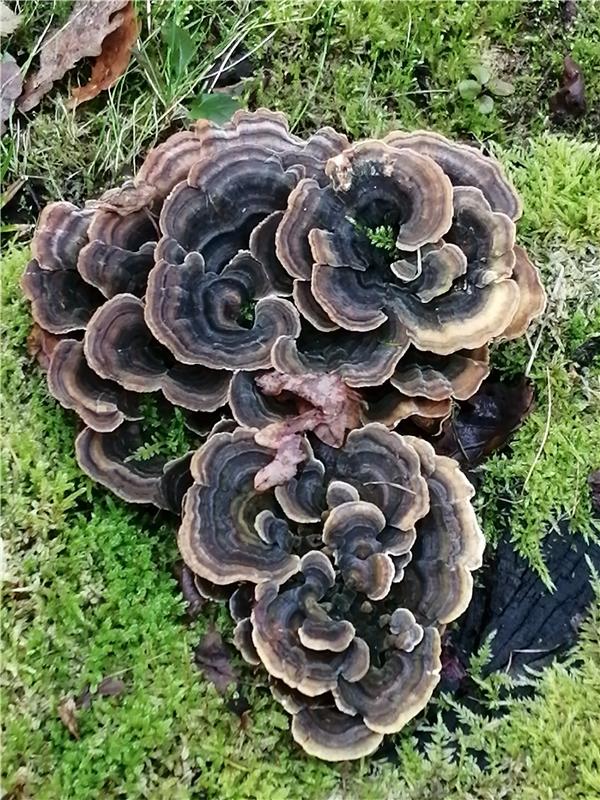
[{"x": 87, "y": 582}]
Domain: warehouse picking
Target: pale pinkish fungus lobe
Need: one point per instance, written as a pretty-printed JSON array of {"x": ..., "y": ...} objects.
[{"x": 296, "y": 302}]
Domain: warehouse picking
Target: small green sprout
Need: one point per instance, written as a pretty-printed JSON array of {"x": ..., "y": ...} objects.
[{"x": 480, "y": 88}]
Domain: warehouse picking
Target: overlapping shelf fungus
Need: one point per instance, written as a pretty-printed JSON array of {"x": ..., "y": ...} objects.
[{"x": 287, "y": 303}]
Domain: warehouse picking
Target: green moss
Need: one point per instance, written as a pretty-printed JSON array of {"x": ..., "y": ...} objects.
[
  {"x": 365, "y": 66},
  {"x": 89, "y": 593},
  {"x": 558, "y": 178},
  {"x": 164, "y": 431}
]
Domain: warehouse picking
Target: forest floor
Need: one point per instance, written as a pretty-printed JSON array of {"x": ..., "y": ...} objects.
[{"x": 88, "y": 586}]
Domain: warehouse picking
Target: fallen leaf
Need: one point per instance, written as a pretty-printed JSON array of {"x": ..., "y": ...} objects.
[
  {"x": 212, "y": 658},
  {"x": 112, "y": 61},
  {"x": 67, "y": 711},
  {"x": 9, "y": 21},
  {"x": 126, "y": 199},
  {"x": 80, "y": 37},
  {"x": 570, "y": 98},
  {"x": 569, "y": 12},
  {"x": 218, "y": 107},
  {"x": 484, "y": 423},
  {"x": 326, "y": 405},
  {"x": 588, "y": 352},
  {"x": 109, "y": 687},
  {"x": 40, "y": 345},
  {"x": 11, "y": 83},
  {"x": 194, "y": 600},
  {"x": 594, "y": 484}
]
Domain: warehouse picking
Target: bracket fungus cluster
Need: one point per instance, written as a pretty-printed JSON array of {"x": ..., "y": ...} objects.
[{"x": 297, "y": 299}]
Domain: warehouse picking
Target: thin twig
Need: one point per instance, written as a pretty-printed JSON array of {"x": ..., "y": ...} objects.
[
  {"x": 553, "y": 296},
  {"x": 538, "y": 455}
]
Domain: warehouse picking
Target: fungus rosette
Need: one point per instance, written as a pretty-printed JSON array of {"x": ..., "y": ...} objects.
[
  {"x": 312, "y": 285},
  {"x": 341, "y": 578},
  {"x": 319, "y": 293}
]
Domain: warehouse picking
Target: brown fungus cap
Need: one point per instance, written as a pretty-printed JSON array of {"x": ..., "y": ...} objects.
[
  {"x": 438, "y": 582},
  {"x": 219, "y": 538},
  {"x": 110, "y": 459},
  {"x": 61, "y": 301},
  {"x": 360, "y": 359},
  {"x": 331, "y": 649},
  {"x": 61, "y": 232},
  {"x": 426, "y": 375},
  {"x": 388, "y": 697},
  {"x": 101, "y": 404},
  {"x": 465, "y": 166},
  {"x": 328, "y": 734},
  {"x": 239, "y": 323},
  {"x": 120, "y": 347}
]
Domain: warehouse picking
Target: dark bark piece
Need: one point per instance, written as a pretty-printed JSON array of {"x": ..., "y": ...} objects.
[{"x": 533, "y": 625}]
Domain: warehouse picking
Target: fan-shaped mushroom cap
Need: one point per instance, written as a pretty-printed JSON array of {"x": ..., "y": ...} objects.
[
  {"x": 372, "y": 175},
  {"x": 532, "y": 297},
  {"x": 458, "y": 375},
  {"x": 242, "y": 639},
  {"x": 389, "y": 407},
  {"x": 314, "y": 154},
  {"x": 61, "y": 301},
  {"x": 312, "y": 660},
  {"x": 101, "y": 404},
  {"x": 385, "y": 469},
  {"x": 391, "y": 695},
  {"x": 253, "y": 409},
  {"x": 109, "y": 459},
  {"x": 328, "y": 734},
  {"x": 120, "y": 347},
  {"x": 465, "y": 166},
  {"x": 432, "y": 270},
  {"x": 309, "y": 308},
  {"x": 61, "y": 232},
  {"x": 114, "y": 270},
  {"x": 302, "y": 497},
  {"x": 222, "y": 536},
  {"x": 438, "y": 584},
  {"x": 224, "y": 198},
  {"x": 360, "y": 359},
  {"x": 357, "y": 533},
  {"x": 263, "y": 127},
  {"x": 218, "y": 337},
  {"x": 262, "y": 248}
]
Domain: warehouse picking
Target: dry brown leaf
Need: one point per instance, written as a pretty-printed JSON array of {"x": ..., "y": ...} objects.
[
  {"x": 485, "y": 422},
  {"x": 67, "y": 711},
  {"x": 80, "y": 37},
  {"x": 570, "y": 98},
  {"x": 40, "y": 345},
  {"x": 11, "y": 83},
  {"x": 112, "y": 61},
  {"x": 326, "y": 405},
  {"x": 212, "y": 657},
  {"x": 9, "y": 21}
]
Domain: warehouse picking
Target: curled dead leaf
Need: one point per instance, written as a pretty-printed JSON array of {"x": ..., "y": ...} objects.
[
  {"x": 570, "y": 98},
  {"x": 11, "y": 83},
  {"x": 9, "y": 21},
  {"x": 81, "y": 36},
  {"x": 212, "y": 658},
  {"x": 40, "y": 344},
  {"x": 67, "y": 711},
  {"x": 112, "y": 61},
  {"x": 485, "y": 422}
]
